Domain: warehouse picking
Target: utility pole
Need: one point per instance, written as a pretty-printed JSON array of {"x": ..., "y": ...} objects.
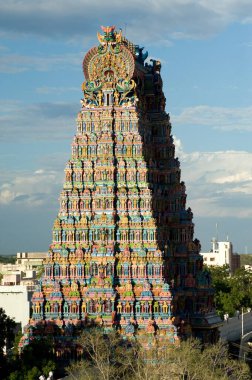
[{"x": 242, "y": 332}]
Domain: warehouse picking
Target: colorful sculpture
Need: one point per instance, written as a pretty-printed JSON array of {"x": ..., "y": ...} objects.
[{"x": 123, "y": 254}]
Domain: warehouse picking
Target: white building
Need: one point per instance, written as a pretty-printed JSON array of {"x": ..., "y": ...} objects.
[
  {"x": 16, "y": 302},
  {"x": 26, "y": 262},
  {"x": 222, "y": 254},
  {"x": 30, "y": 260},
  {"x": 27, "y": 278},
  {"x": 18, "y": 283}
]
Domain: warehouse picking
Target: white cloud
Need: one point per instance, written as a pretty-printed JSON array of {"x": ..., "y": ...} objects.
[
  {"x": 42, "y": 120},
  {"x": 32, "y": 189},
  {"x": 56, "y": 90},
  {"x": 244, "y": 176},
  {"x": 16, "y": 63},
  {"x": 165, "y": 19},
  {"x": 6, "y": 194},
  {"x": 179, "y": 146},
  {"x": 219, "y": 184},
  {"x": 221, "y": 118}
]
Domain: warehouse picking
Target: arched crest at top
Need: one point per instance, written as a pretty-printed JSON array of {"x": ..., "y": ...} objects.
[{"x": 111, "y": 61}]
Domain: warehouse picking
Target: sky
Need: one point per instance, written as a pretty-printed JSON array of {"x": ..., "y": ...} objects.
[{"x": 206, "y": 52}]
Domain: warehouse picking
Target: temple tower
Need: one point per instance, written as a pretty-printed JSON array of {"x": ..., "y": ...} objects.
[{"x": 123, "y": 253}]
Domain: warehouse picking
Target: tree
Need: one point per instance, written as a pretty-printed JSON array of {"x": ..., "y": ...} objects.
[
  {"x": 241, "y": 284},
  {"x": 36, "y": 359},
  {"x": 211, "y": 362},
  {"x": 39, "y": 353},
  {"x": 8, "y": 259},
  {"x": 7, "y": 326},
  {"x": 231, "y": 292},
  {"x": 104, "y": 356},
  {"x": 39, "y": 272},
  {"x": 108, "y": 357}
]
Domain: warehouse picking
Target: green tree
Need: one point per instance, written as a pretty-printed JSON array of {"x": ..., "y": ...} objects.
[
  {"x": 39, "y": 353},
  {"x": 37, "y": 358},
  {"x": 32, "y": 374},
  {"x": 7, "y": 326},
  {"x": 220, "y": 277},
  {"x": 222, "y": 286},
  {"x": 15, "y": 375},
  {"x": 231, "y": 292},
  {"x": 107, "y": 357},
  {"x": 8, "y": 259},
  {"x": 241, "y": 284},
  {"x": 40, "y": 271},
  {"x": 246, "y": 259}
]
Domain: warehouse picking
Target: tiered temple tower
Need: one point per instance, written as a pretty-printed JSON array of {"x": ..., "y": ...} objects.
[{"x": 123, "y": 253}]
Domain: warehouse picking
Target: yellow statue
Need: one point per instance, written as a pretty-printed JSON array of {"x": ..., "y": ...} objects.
[{"x": 100, "y": 98}]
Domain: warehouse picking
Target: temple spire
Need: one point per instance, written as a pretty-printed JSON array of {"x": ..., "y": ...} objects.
[{"x": 123, "y": 253}]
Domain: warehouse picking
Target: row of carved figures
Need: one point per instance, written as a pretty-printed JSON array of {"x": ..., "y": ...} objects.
[
  {"x": 102, "y": 306},
  {"x": 124, "y": 270},
  {"x": 102, "y": 234},
  {"x": 96, "y": 150},
  {"x": 123, "y": 236},
  {"x": 106, "y": 204},
  {"x": 120, "y": 150},
  {"x": 100, "y": 125},
  {"x": 109, "y": 136},
  {"x": 135, "y": 203},
  {"x": 121, "y": 174},
  {"x": 122, "y": 163}
]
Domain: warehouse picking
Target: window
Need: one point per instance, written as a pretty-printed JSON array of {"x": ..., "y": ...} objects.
[{"x": 212, "y": 259}]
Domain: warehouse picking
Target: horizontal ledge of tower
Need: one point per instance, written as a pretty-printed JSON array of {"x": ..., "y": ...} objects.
[{"x": 111, "y": 107}]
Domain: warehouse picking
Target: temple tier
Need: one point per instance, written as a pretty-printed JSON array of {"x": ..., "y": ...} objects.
[{"x": 123, "y": 253}]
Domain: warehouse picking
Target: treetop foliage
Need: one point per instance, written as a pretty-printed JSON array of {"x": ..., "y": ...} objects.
[
  {"x": 8, "y": 259},
  {"x": 231, "y": 292},
  {"x": 109, "y": 357}
]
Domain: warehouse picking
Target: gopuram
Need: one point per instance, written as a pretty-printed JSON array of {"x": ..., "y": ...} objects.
[{"x": 123, "y": 253}]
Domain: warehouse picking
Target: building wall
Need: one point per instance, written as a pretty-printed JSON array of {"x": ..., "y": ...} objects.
[
  {"x": 30, "y": 260},
  {"x": 236, "y": 262},
  {"x": 11, "y": 279},
  {"x": 8, "y": 268},
  {"x": 16, "y": 302},
  {"x": 26, "y": 261},
  {"x": 222, "y": 254},
  {"x": 17, "y": 285}
]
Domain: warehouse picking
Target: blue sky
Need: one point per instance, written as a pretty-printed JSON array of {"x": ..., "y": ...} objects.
[{"x": 206, "y": 52}]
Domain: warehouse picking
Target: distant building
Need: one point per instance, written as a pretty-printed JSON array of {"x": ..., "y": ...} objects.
[
  {"x": 23, "y": 272},
  {"x": 222, "y": 254},
  {"x": 28, "y": 278},
  {"x": 18, "y": 283},
  {"x": 30, "y": 260},
  {"x": 25, "y": 261},
  {"x": 16, "y": 302}
]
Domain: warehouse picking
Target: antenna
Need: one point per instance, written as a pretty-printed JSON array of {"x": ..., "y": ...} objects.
[
  {"x": 216, "y": 226},
  {"x": 125, "y": 28}
]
